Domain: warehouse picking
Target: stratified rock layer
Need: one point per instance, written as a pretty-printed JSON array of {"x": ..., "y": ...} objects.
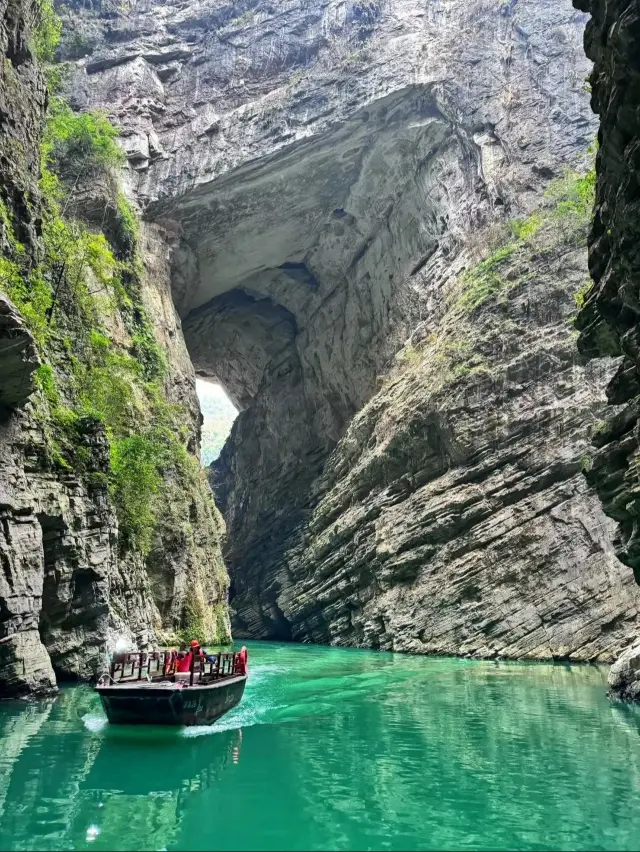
[
  {"x": 610, "y": 320},
  {"x": 69, "y": 589},
  {"x": 624, "y": 677},
  {"x": 24, "y": 662},
  {"x": 324, "y": 176},
  {"x": 453, "y": 517}
]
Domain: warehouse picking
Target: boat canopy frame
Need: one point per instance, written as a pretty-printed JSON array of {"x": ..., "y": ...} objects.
[{"x": 133, "y": 666}]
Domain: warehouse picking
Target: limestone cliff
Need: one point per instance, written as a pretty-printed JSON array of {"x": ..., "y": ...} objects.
[
  {"x": 74, "y": 344},
  {"x": 608, "y": 322},
  {"x": 376, "y": 227},
  {"x": 610, "y": 319}
]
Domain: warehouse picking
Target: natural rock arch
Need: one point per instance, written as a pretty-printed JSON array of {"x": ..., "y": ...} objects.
[{"x": 320, "y": 188}]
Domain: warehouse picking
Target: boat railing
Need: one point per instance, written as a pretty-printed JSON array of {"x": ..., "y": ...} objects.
[{"x": 155, "y": 665}]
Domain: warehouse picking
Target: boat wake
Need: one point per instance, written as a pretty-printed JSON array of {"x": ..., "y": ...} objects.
[
  {"x": 94, "y": 723},
  {"x": 248, "y": 713},
  {"x": 244, "y": 718}
]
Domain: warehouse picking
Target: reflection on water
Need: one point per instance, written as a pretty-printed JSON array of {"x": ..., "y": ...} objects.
[{"x": 336, "y": 749}]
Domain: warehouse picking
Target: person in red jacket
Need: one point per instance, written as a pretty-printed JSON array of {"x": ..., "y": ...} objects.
[
  {"x": 242, "y": 661},
  {"x": 184, "y": 662}
]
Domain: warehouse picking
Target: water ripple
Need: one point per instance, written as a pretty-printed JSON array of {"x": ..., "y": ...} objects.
[{"x": 336, "y": 749}]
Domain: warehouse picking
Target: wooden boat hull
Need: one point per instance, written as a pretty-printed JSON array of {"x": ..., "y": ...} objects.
[{"x": 144, "y": 704}]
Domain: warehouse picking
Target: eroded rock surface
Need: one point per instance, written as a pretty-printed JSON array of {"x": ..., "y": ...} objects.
[
  {"x": 610, "y": 320},
  {"x": 59, "y": 555},
  {"x": 18, "y": 357},
  {"x": 624, "y": 677},
  {"x": 24, "y": 662},
  {"x": 452, "y": 517},
  {"x": 69, "y": 588},
  {"x": 324, "y": 175}
]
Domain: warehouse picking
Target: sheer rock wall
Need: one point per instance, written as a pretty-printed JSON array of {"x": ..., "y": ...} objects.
[
  {"x": 609, "y": 323},
  {"x": 24, "y": 663},
  {"x": 610, "y": 320},
  {"x": 324, "y": 174},
  {"x": 66, "y": 588}
]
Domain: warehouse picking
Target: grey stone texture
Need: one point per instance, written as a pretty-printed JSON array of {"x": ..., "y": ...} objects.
[
  {"x": 68, "y": 592},
  {"x": 610, "y": 320},
  {"x": 324, "y": 173},
  {"x": 624, "y": 676}
]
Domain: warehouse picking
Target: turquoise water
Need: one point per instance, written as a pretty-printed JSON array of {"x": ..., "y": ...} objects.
[{"x": 336, "y": 749}]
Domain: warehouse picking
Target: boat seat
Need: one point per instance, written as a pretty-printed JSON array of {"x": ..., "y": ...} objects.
[{"x": 185, "y": 677}]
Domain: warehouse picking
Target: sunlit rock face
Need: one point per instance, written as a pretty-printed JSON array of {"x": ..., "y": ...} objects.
[{"x": 324, "y": 174}]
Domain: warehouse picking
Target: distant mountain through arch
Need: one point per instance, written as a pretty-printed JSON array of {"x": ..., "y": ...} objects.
[{"x": 218, "y": 414}]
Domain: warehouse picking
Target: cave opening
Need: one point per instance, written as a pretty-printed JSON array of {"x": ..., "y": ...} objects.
[
  {"x": 299, "y": 277},
  {"x": 292, "y": 279},
  {"x": 284, "y": 271},
  {"x": 218, "y": 415}
]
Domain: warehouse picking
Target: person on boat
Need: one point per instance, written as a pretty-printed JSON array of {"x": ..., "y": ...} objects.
[
  {"x": 242, "y": 660},
  {"x": 170, "y": 660},
  {"x": 198, "y": 652},
  {"x": 194, "y": 652},
  {"x": 184, "y": 662}
]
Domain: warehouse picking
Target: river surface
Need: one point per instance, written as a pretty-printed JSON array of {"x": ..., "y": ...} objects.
[{"x": 336, "y": 749}]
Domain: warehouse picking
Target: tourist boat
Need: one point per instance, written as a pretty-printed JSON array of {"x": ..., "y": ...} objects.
[{"x": 142, "y": 688}]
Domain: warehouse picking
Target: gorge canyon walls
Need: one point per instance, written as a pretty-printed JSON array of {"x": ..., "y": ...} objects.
[
  {"x": 375, "y": 217},
  {"x": 368, "y": 221}
]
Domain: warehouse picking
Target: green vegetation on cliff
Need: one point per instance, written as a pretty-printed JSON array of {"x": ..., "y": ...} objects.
[
  {"x": 513, "y": 251},
  {"x": 104, "y": 399},
  {"x": 95, "y": 373},
  {"x": 46, "y": 30},
  {"x": 565, "y": 216}
]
